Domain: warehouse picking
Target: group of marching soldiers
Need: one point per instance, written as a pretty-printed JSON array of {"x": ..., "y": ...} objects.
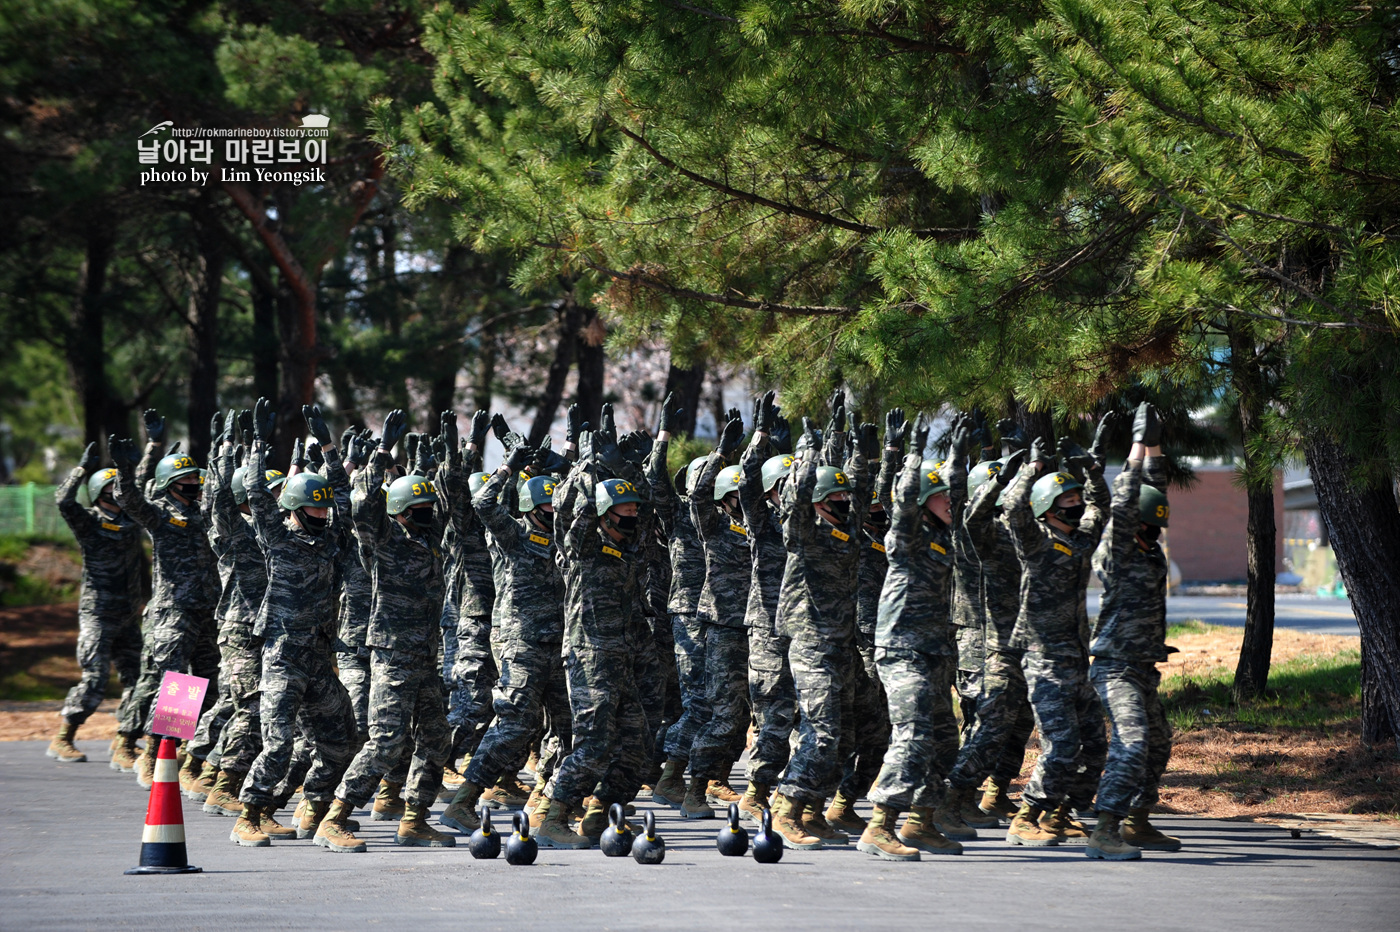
[{"x": 388, "y": 631}]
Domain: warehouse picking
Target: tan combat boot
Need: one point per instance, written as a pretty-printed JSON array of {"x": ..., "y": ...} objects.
[
  {"x": 1062, "y": 823},
  {"x": 190, "y": 769},
  {"x": 452, "y": 777},
  {"x": 540, "y": 812},
  {"x": 231, "y": 806},
  {"x": 272, "y": 828},
  {"x": 415, "y": 832},
  {"x": 203, "y": 783},
  {"x": 517, "y": 787},
  {"x": 920, "y": 831},
  {"x": 594, "y": 821},
  {"x": 1026, "y": 830},
  {"x": 947, "y": 818},
  {"x": 554, "y": 830},
  {"x": 693, "y": 806},
  {"x": 842, "y": 814},
  {"x": 996, "y": 802},
  {"x": 1136, "y": 830},
  {"x": 969, "y": 810},
  {"x": 124, "y": 754},
  {"x": 879, "y": 837},
  {"x": 503, "y": 795},
  {"x": 223, "y": 795},
  {"x": 754, "y": 802},
  {"x": 461, "y": 813},
  {"x": 61, "y": 748},
  {"x": 788, "y": 822},
  {"x": 388, "y": 803},
  {"x": 333, "y": 834},
  {"x": 1107, "y": 844},
  {"x": 532, "y": 802},
  {"x": 313, "y": 813},
  {"x": 247, "y": 831},
  {"x": 670, "y": 789},
  {"x": 721, "y": 792},
  {"x": 815, "y": 823},
  {"x": 146, "y": 763}
]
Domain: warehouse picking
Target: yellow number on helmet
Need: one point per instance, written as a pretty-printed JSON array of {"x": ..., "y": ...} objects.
[
  {"x": 549, "y": 488},
  {"x": 840, "y": 478},
  {"x": 1162, "y": 511}
]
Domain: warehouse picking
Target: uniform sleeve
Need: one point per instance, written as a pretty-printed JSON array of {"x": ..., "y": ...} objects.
[
  {"x": 956, "y": 477},
  {"x": 889, "y": 472},
  {"x": 702, "y": 510},
  {"x": 662, "y": 492},
  {"x": 79, "y": 518},
  {"x": 856, "y": 468},
  {"x": 131, "y": 495},
  {"x": 267, "y": 516},
  {"x": 751, "y": 484},
  {"x": 1020, "y": 521},
  {"x": 494, "y": 513},
  {"x": 904, "y": 522},
  {"x": 368, "y": 510},
  {"x": 223, "y": 510},
  {"x": 456, "y": 503},
  {"x": 1096, "y": 514},
  {"x": 799, "y": 526},
  {"x": 146, "y": 469},
  {"x": 1123, "y": 526},
  {"x": 573, "y": 520},
  {"x": 979, "y": 516},
  {"x": 1154, "y": 472}
]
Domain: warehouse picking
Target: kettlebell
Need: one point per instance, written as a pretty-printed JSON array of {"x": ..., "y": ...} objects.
[
  {"x": 732, "y": 840},
  {"x": 485, "y": 843},
  {"x": 521, "y": 849},
  {"x": 649, "y": 848},
  {"x": 617, "y": 839},
  {"x": 768, "y": 846}
]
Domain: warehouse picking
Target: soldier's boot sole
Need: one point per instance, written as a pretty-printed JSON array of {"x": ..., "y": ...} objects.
[
  {"x": 931, "y": 847},
  {"x": 357, "y": 848},
  {"x": 243, "y": 842},
  {"x": 415, "y": 841},
  {"x": 882, "y": 854},
  {"x": 568, "y": 841},
  {"x": 452, "y": 821},
  {"x": 220, "y": 809},
  {"x": 388, "y": 815},
  {"x": 702, "y": 813},
  {"x": 66, "y": 757},
  {"x": 1173, "y": 845},
  {"x": 1013, "y": 839},
  {"x": 955, "y": 832},
  {"x": 1095, "y": 852}
]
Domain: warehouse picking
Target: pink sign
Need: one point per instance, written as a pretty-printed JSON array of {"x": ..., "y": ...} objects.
[{"x": 178, "y": 704}]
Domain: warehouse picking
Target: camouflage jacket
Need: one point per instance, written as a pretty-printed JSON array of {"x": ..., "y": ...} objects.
[
  {"x": 406, "y": 565},
  {"x": 914, "y": 604},
  {"x": 967, "y": 568},
  {"x": 529, "y": 603},
  {"x": 1132, "y": 622},
  {"x": 303, "y": 578},
  {"x": 873, "y": 562},
  {"x": 235, "y": 542},
  {"x": 186, "y": 572},
  {"x": 112, "y": 554},
  {"x": 768, "y": 555},
  {"x": 728, "y": 552},
  {"x": 687, "y": 561},
  {"x": 1054, "y": 618},
  {"x": 818, "y": 595},
  {"x": 477, "y": 586},
  {"x": 1000, "y": 567}
]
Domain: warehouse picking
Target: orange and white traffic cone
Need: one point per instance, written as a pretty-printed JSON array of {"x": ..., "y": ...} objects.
[{"x": 163, "y": 841}]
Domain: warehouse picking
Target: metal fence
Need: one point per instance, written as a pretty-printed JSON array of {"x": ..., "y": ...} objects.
[{"x": 30, "y": 509}]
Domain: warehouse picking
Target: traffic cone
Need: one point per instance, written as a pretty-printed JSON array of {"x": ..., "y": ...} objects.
[{"x": 163, "y": 841}]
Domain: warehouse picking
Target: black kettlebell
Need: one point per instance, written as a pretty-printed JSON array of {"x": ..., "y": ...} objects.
[
  {"x": 617, "y": 838},
  {"x": 521, "y": 849},
  {"x": 768, "y": 846},
  {"x": 649, "y": 848},
  {"x": 732, "y": 840},
  {"x": 485, "y": 843}
]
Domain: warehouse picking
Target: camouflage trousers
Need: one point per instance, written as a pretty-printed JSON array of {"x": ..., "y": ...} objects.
[
  {"x": 530, "y": 686},
  {"x": 726, "y": 689},
  {"x": 650, "y": 676},
  {"x": 353, "y": 669},
  {"x": 821, "y": 668},
  {"x": 174, "y": 639},
  {"x": 211, "y": 724},
  {"x": 470, "y": 671},
  {"x": 923, "y": 732},
  {"x": 687, "y": 632},
  {"x": 972, "y": 658},
  {"x": 1141, "y": 743},
  {"x": 1002, "y": 722},
  {"x": 773, "y": 698},
  {"x": 1073, "y": 743},
  {"x": 240, "y": 673},
  {"x": 103, "y": 642},
  {"x": 299, "y": 693},
  {"x": 663, "y": 641},
  {"x": 870, "y": 725},
  {"x": 406, "y": 702},
  {"x": 608, "y": 727}
]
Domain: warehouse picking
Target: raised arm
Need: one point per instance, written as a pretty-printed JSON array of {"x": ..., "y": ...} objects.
[
  {"x": 78, "y": 518},
  {"x": 130, "y": 491}
]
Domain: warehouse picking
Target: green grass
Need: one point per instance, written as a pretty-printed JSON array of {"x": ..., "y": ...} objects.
[
  {"x": 1189, "y": 626},
  {"x": 13, "y": 547},
  {"x": 30, "y": 590}
]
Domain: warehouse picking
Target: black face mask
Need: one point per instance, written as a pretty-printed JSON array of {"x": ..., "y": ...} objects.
[
  {"x": 189, "y": 491},
  {"x": 880, "y": 520},
  {"x": 541, "y": 519},
  {"x": 1072, "y": 514},
  {"x": 1149, "y": 532},
  {"x": 422, "y": 518},
  {"x": 627, "y": 524},
  {"x": 729, "y": 507},
  {"x": 312, "y": 525},
  {"x": 839, "y": 510}
]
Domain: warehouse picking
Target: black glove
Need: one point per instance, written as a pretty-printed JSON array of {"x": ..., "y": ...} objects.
[
  {"x": 91, "y": 459},
  {"x": 216, "y": 428},
  {"x": 838, "y": 412},
  {"x": 869, "y": 441},
  {"x": 298, "y": 454},
  {"x": 123, "y": 452},
  {"x": 424, "y": 460},
  {"x": 518, "y": 458},
  {"x": 896, "y": 429},
  {"x": 447, "y": 431},
  {"x": 481, "y": 426},
  {"x": 782, "y": 435},
  {"x": 920, "y": 436},
  {"x": 669, "y": 416},
  {"x": 264, "y": 420},
  {"x": 155, "y": 426},
  {"x": 1042, "y": 450},
  {"x": 980, "y": 434},
  {"x": 240, "y": 453},
  {"x": 395, "y": 426},
  {"x": 765, "y": 413},
  {"x": 411, "y": 449},
  {"x": 1010, "y": 468},
  {"x": 316, "y": 424},
  {"x": 1072, "y": 457},
  {"x": 729, "y": 438},
  {"x": 346, "y": 436},
  {"x": 1012, "y": 435},
  {"x": 315, "y": 456},
  {"x": 546, "y": 462},
  {"x": 605, "y": 449},
  {"x": 499, "y": 427},
  {"x": 1099, "y": 448},
  {"x": 512, "y": 440},
  {"x": 1147, "y": 426},
  {"x": 361, "y": 448},
  {"x": 174, "y": 448},
  {"x": 961, "y": 437},
  {"x": 606, "y": 425},
  {"x": 245, "y": 427},
  {"x": 575, "y": 427}
]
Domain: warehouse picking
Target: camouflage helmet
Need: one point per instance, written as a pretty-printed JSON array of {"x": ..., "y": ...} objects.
[
  {"x": 305, "y": 489},
  {"x": 775, "y": 468},
  {"x": 172, "y": 467},
  {"x": 1152, "y": 506},
  {"x": 613, "y": 492},
  {"x": 931, "y": 481},
  {"x": 1048, "y": 488},
  {"x": 536, "y": 492},
  {"x": 272, "y": 478},
  {"x": 692, "y": 472},
  {"x": 407, "y": 491},
  {"x": 99, "y": 481},
  {"x": 829, "y": 481},
  {"x": 727, "y": 481},
  {"x": 980, "y": 475}
]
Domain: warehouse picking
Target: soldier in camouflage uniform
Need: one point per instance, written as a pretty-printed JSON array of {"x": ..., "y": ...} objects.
[
  {"x": 599, "y": 521},
  {"x": 1055, "y": 534},
  {"x": 300, "y": 532},
  {"x": 715, "y": 513},
  {"x": 109, "y": 605},
  {"x": 917, "y": 657},
  {"x": 180, "y": 613},
  {"x": 824, "y": 512},
  {"x": 1129, "y": 640},
  {"x": 528, "y": 632},
  {"x": 402, "y": 533},
  {"x": 356, "y": 598}
]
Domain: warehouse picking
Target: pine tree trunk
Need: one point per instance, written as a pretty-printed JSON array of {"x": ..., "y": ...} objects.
[
  {"x": 265, "y": 347},
  {"x": 685, "y": 385},
  {"x": 204, "y": 339},
  {"x": 591, "y": 365},
  {"x": 1364, "y": 525},
  {"x": 570, "y": 321},
  {"x": 87, "y": 349},
  {"x": 1256, "y": 650}
]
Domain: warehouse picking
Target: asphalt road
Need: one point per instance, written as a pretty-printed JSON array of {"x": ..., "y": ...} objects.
[
  {"x": 70, "y": 831},
  {"x": 1299, "y": 612}
]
